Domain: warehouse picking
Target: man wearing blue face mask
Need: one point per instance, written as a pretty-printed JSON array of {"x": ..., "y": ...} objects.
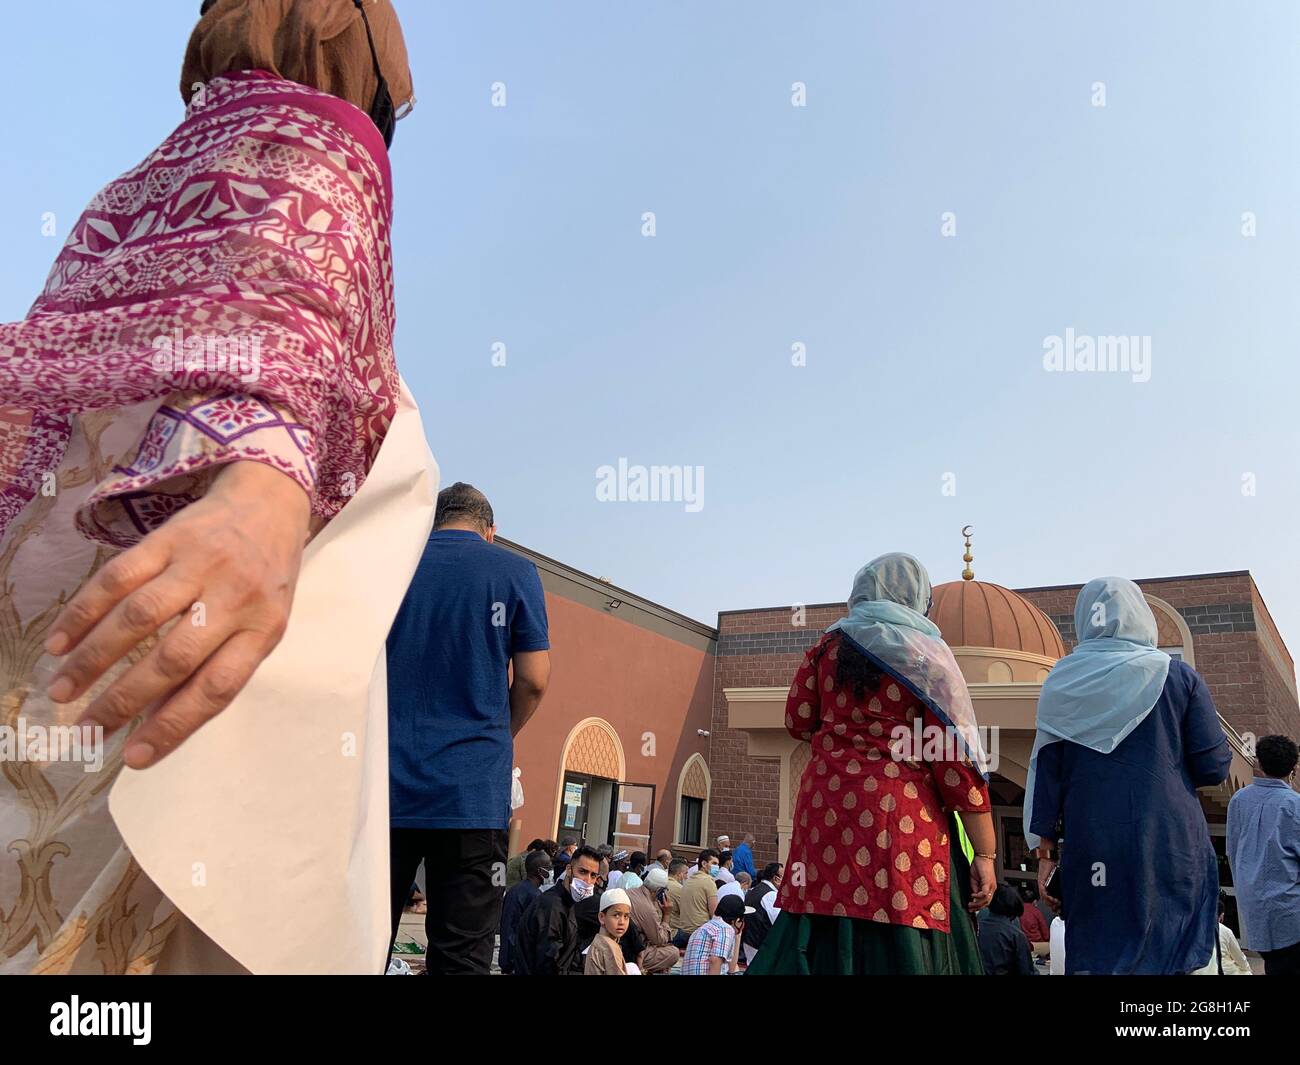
[
  {"x": 699, "y": 895},
  {"x": 547, "y": 942}
]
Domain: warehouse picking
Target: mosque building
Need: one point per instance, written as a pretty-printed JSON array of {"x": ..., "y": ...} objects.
[
  {"x": 659, "y": 731},
  {"x": 1005, "y": 643}
]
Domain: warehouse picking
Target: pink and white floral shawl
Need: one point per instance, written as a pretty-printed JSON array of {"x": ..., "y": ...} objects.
[{"x": 242, "y": 275}]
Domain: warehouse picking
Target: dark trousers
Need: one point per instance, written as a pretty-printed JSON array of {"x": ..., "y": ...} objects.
[
  {"x": 1284, "y": 962},
  {"x": 464, "y": 902}
]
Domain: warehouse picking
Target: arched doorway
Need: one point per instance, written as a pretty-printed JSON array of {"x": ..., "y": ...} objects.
[{"x": 595, "y": 804}]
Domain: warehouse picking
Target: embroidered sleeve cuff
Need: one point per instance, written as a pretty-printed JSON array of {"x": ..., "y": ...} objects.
[{"x": 188, "y": 439}]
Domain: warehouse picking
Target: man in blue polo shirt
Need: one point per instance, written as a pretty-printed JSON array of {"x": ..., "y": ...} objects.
[{"x": 467, "y": 666}]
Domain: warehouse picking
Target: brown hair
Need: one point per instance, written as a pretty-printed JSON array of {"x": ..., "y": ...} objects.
[{"x": 321, "y": 43}]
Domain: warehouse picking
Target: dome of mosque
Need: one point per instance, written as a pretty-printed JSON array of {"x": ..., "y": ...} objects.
[{"x": 973, "y": 613}]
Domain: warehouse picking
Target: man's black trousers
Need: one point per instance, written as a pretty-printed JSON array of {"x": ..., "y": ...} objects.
[{"x": 464, "y": 872}]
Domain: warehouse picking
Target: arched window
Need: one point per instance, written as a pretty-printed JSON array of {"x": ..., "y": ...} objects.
[{"x": 693, "y": 787}]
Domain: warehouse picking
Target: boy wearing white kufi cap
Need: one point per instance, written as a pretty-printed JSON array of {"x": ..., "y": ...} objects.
[{"x": 605, "y": 956}]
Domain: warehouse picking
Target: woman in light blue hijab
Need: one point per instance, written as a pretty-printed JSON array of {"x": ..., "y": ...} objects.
[
  {"x": 1125, "y": 737},
  {"x": 1105, "y": 688}
]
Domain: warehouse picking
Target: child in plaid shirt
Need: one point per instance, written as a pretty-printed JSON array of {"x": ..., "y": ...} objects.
[{"x": 712, "y": 948}]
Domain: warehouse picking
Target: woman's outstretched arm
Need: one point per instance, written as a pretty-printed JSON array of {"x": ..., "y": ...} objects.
[{"x": 219, "y": 577}]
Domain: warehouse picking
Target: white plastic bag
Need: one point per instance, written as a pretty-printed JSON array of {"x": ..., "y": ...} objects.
[{"x": 516, "y": 791}]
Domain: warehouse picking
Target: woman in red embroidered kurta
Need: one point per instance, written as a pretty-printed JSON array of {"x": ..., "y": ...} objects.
[
  {"x": 870, "y": 831},
  {"x": 872, "y": 879}
]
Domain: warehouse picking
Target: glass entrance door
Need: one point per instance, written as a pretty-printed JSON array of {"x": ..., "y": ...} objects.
[
  {"x": 634, "y": 817},
  {"x": 574, "y": 801},
  {"x": 596, "y": 810}
]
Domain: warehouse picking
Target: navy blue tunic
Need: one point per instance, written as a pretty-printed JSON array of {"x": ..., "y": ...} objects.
[{"x": 1139, "y": 876}]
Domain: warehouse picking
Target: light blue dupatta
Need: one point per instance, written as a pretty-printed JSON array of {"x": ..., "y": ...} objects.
[{"x": 886, "y": 619}]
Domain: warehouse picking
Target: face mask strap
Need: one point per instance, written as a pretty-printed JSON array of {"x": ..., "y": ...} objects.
[{"x": 381, "y": 109}]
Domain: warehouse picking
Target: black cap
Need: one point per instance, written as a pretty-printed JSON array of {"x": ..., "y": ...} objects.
[{"x": 731, "y": 908}]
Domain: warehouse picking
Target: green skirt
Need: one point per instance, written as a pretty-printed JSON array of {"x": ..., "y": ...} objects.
[{"x": 811, "y": 945}]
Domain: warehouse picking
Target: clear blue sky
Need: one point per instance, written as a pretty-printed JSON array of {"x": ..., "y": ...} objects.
[{"x": 822, "y": 225}]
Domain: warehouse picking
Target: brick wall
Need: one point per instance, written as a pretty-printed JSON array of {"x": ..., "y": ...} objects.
[
  {"x": 756, "y": 649},
  {"x": 1265, "y": 621},
  {"x": 1278, "y": 669}
]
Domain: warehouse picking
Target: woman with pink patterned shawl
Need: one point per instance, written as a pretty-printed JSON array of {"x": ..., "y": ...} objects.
[{"x": 203, "y": 385}]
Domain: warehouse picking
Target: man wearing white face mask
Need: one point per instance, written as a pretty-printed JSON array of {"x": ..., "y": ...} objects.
[{"x": 546, "y": 943}]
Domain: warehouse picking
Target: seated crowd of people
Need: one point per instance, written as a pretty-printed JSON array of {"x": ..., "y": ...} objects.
[{"x": 573, "y": 909}]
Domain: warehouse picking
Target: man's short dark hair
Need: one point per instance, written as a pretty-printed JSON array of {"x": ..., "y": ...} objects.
[
  {"x": 1277, "y": 755},
  {"x": 1006, "y": 902},
  {"x": 637, "y": 861},
  {"x": 463, "y": 503},
  {"x": 770, "y": 870},
  {"x": 677, "y": 864},
  {"x": 568, "y": 841},
  {"x": 584, "y": 852},
  {"x": 537, "y": 863},
  {"x": 706, "y": 856},
  {"x": 724, "y": 857},
  {"x": 536, "y": 845},
  {"x": 550, "y": 847}
]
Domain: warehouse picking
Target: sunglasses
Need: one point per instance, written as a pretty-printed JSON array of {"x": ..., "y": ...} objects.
[{"x": 382, "y": 112}]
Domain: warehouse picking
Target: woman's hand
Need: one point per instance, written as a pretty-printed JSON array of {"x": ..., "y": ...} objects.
[
  {"x": 983, "y": 882},
  {"x": 224, "y": 570},
  {"x": 1045, "y": 867}
]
